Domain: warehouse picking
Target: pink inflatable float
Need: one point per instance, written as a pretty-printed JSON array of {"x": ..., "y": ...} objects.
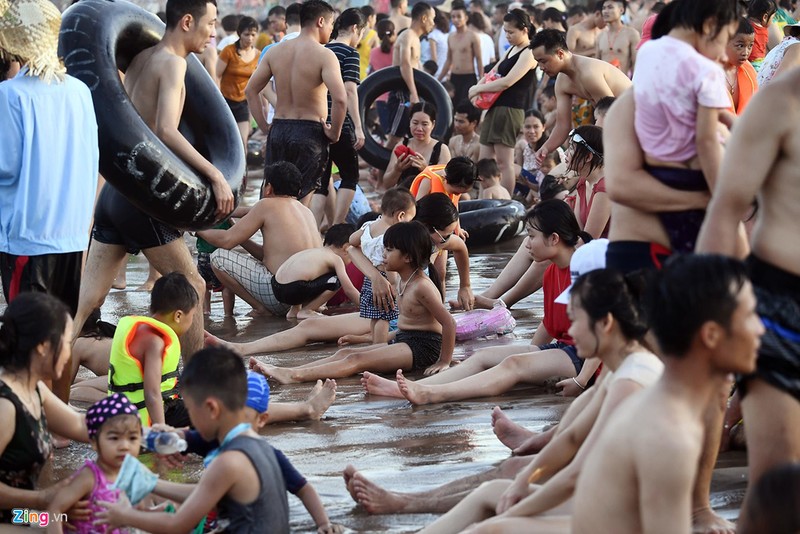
[{"x": 481, "y": 323}]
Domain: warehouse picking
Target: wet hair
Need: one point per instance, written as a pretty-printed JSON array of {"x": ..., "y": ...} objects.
[
  {"x": 231, "y": 22},
  {"x": 623, "y": 2},
  {"x": 487, "y": 168},
  {"x": 460, "y": 171},
  {"x": 757, "y": 9},
  {"x": 338, "y": 235},
  {"x": 773, "y": 503},
  {"x": 420, "y": 9},
  {"x": 284, "y": 177},
  {"x": 425, "y": 107},
  {"x": 430, "y": 67},
  {"x": 349, "y": 17},
  {"x": 473, "y": 114},
  {"x": 414, "y": 240},
  {"x": 31, "y": 319},
  {"x": 436, "y": 211},
  {"x": 551, "y": 40},
  {"x": 215, "y": 372},
  {"x": 604, "y": 104},
  {"x": 293, "y": 12},
  {"x": 605, "y": 291},
  {"x": 550, "y": 188},
  {"x": 396, "y": 200},
  {"x": 385, "y": 29},
  {"x": 173, "y": 292},
  {"x": 245, "y": 24},
  {"x": 477, "y": 21},
  {"x": 745, "y": 28},
  {"x": 313, "y": 10},
  {"x": 593, "y": 135},
  {"x": 556, "y": 217},
  {"x": 520, "y": 19},
  {"x": 367, "y": 217},
  {"x": 554, "y": 15},
  {"x": 691, "y": 14},
  {"x": 688, "y": 292},
  {"x": 177, "y": 9}
]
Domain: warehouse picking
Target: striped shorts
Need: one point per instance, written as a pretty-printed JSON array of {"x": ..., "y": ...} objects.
[{"x": 252, "y": 275}]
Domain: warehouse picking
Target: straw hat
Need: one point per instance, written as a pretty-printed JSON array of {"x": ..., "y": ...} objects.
[{"x": 29, "y": 32}]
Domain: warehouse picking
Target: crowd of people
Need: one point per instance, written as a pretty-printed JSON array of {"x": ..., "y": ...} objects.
[{"x": 654, "y": 143}]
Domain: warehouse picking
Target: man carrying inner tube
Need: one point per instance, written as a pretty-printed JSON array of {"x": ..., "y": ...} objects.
[
  {"x": 304, "y": 73},
  {"x": 155, "y": 83}
]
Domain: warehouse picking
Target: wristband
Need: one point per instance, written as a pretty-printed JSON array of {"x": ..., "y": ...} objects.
[{"x": 583, "y": 388}]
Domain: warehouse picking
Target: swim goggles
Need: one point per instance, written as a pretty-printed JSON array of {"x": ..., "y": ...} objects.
[{"x": 576, "y": 138}]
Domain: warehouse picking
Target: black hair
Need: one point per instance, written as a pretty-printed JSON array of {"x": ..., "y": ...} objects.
[
  {"x": 173, "y": 292},
  {"x": 689, "y": 291},
  {"x": 477, "y": 20},
  {"x": 231, "y": 22},
  {"x": 593, "y": 136},
  {"x": 430, "y": 67},
  {"x": 745, "y": 28},
  {"x": 245, "y": 24},
  {"x": 338, "y": 235},
  {"x": 520, "y": 19},
  {"x": 395, "y": 3},
  {"x": 604, "y": 104},
  {"x": 277, "y": 10},
  {"x": 550, "y": 89},
  {"x": 598, "y": 6},
  {"x": 550, "y": 187},
  {"x": 215, "y": 372},
  {"x": 605, "y": 291},
  {"x": 32, "y": 318},
  {"x": 349, "y": 17},
  {"x": 367, "y": 11},
  {"x": 538, "y": 114},
  {"x": 773, "y": 502},
  {"x": 436, "y": 211},
  {"x": 487, "y": 168},
  {"x": 792, "y": 31},
  {"x": 313, "y": 10},
  {"x": 551, "y": 40},
  {"x": 460, "y": 171},
  {"x": 473, "y": 114},
  {"x": 177, "y": 9},
  {"x": 367, "y": 217},
  {"x": 5, "y": 66},
  {"x": 385, "y": 29},
  {"x": 691, "y": 14},
  {"x": 284, "y": 177},
  {"x": 414, "y": 240},
  {"x": 458, "y": 6},
  {"x": 556, "y": 217},
  {"x": 293, "y": 12},
  {"x": 425, "y": 107},
  {"x": 502, "y": 6},
  {"x": 623, "y": 2},
  {"x": 757, "y": 9},
  {"x": 658, "y": 7},
  {"x": 396, "y": 200},
  {"x": 555, "y": 15},
  {"x": 576, "y": 10},
  {"x": 162, "y": 16},
  {"x": 420, "y": 9},
  {"x": 441, "y": 21}
]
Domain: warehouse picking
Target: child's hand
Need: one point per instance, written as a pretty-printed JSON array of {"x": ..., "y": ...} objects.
[
  {"x": 330, "y": 528},
  {"x": 466, "y": 298},
  {"x": 568, "y": 388},
  {"x": 437, "y": 367},
  {"x": 80, "y": 511},
  {"x": 113, "y": 514}
]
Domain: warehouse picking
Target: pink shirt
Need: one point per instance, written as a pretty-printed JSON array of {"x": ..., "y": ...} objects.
[{"x": 671, "y": 81}]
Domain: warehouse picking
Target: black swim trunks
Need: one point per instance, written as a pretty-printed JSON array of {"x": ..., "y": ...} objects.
[
  {"x": 425, "y": 346},
  {"x": 778, "y": 295},
  {"x": 302, "y": 143},
  {"x": 56, "y": 274},
  {"x": 207, "y": 273},
  {"x": 629, "y": 256},
  {"x": 304, "y": 291},
  {"x": 682, "y": 227},
  {"x": 344, "y": 154},
  {"x": 461, "y": 84},
  {"x": 118, "y": 222},
  {"x": 241, "y": 113}
]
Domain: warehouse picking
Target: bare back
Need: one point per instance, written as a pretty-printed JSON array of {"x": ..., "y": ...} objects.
[
  {"x": 288, "y": 227},
  {"x": 593, "y": 80},
  {"x": 143, "y": 82},
  {"x": 307, "y": 265}
]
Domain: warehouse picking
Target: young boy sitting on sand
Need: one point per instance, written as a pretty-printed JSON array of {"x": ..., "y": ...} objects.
[
  {"x": 426, "y": 331},
  {"x": 309, "y": 278},
  {"x": 489, "y": 177}
]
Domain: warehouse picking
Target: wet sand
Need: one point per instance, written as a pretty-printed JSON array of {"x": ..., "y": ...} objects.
[{"x": 394, "y": 444}]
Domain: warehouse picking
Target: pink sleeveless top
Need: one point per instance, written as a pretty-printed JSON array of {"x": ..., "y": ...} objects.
[{"x": 102, "y": 491}]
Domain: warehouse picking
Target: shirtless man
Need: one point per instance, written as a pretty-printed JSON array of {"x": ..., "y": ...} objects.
[
  {"x": 250, "y": 275},
  {"x": 582, "y": 37},
  {"x": 155, "y": 84},
  {"x": 576, "y": 76},
  {"x": 406, "y": 54},
  {"x": 617, "y": 43},
  {"x": 639, "y": 477},
  {"x": 398, "y": 15},
  {"x": 304, "y": 73},
  {"x": 770, "y": 396},
  {"x": 465, "y": 142},
  {"x": 464, "y": 58}
]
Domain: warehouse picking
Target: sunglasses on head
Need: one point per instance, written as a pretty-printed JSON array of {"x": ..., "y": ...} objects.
[
  {"x": 443, "y": 238},
  {"x": 577, "y": 138}
]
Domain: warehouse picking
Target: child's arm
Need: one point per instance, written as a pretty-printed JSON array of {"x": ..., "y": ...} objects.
[
  {"x": 308, "y": 495},
  {"x": 347, "y": 285},
  {"x": 381, "y": 287},
  {"x": 68, "y": 495},
  {"x": 709, "y": 149},
  {"x": 239, "y": 232},
  {"x": 429, "y": 297},
  {"x": 148, "y": 347},
  {"x": 461, "y": 256},
  {"x": 174, "y": 491}
]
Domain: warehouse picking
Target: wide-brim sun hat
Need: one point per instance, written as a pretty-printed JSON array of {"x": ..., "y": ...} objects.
[{"x": 29, "y": 33}]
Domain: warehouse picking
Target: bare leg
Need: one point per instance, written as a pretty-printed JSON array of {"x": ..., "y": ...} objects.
[
  {"x": 231, "y": 283},
  {"x": 477, "y": 506},
  {"x": 244, "y": 131},
  {"x": 314, "y": 407},
  {"x": 152, "y": 276},
  {"x": 175, "y": 257},
  {"x": 529, "y": 368},
  {"x": 772, "y": 420},
  {"x": 90, "y": 390},
  {"x": 511, "y": 273},
  {"x": 310, "y": 309},
  {"x": 507, "y": 431},
  {"x": 228, "y": 301},
  {"x": 102, "y": 264},
  {"x": 549, "y": 524},
  {"x": 120, "y": 282},
  {"x": 505, "y": 161},
  {"x": 318, "y": 207},
  {"x": 344, "y": 197},
  {"x": 530, "y": 282}
]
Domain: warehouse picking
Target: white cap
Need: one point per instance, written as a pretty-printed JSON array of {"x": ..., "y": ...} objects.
[{"x": 589, "y": 257}]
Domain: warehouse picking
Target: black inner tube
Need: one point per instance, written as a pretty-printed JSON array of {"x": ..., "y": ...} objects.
[{"x": 388, "y": 80}]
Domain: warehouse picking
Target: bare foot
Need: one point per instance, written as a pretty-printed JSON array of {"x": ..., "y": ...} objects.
[
  {"x": 119, "y": 284},
  {"x": 375, "y": 499},
  {"x": 292, "y": 313},
  {"x": 321, "y": 397},
  {"x": 415, "y": 393},
  {"x": 307, "y": 314},
  {"x": 706, "y": 521},
  {"x": 347, "y": 474},
  {"x": 507, "y": 431},
  {"x": 210, "y": 340},
  {"x": 283, "y": 376},
  {"x": 377, "y": 385},
  {"x": 147, "y": 286},
  {"x": 259, "y": 312},
  {"x": 481, "y": 302}
]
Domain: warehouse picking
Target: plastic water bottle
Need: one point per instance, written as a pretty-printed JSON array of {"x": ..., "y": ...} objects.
[{"x": 164, "y": 442}]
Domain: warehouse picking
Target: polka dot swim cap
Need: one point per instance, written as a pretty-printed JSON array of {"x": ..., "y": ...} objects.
[{"x": 103, "y": 410}]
